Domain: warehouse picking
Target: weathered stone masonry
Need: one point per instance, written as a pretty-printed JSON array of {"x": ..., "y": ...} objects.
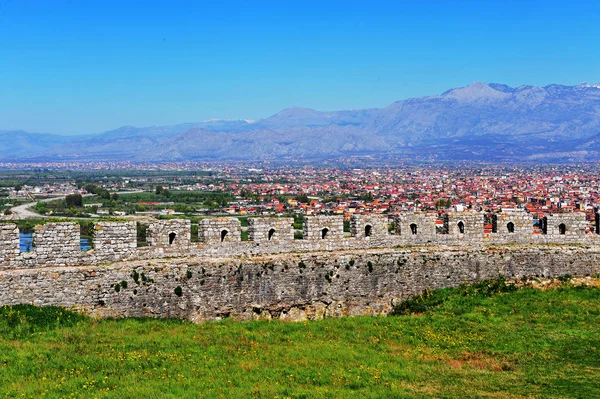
[
  {"x": 274, "y": 276},
  {"x": 286, "y": 286}
]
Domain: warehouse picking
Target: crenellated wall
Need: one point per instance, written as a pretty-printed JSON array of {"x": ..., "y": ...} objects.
[{"x": 57, "y": 244}]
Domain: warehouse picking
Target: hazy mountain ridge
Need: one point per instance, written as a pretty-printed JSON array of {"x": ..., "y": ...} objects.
[{"x": 480, "y": 121}]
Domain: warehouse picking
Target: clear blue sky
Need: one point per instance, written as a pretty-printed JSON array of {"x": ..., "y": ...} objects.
[{"x": 74, "y": 67}]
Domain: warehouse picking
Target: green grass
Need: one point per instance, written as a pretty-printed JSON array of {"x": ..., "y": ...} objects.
[{"x": 526, "y": 343}]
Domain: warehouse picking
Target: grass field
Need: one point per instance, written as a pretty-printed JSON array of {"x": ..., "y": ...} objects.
[{"x": 529, "y": 343}]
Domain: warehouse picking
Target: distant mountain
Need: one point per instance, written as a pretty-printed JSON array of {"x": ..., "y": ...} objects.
[
  {"x": 481, "y": 121},
  {"x": 306, "y": 117},
  {"x": 18, "y": 143}
]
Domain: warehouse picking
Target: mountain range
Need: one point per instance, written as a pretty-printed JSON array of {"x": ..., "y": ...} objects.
[{"x": 486, "y": 122}]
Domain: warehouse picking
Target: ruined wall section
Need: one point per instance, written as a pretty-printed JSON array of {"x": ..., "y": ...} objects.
[
  {"x": 219, "y": 230},
  {"x": 56, "y": 243},
  {"x": 512, "y": 226},
  {"x": 323, "y": 227},
  {"x": 9, "y": 241},
  {"x": 112, "y": 240},
  {"x": 296, "y": 286},
  {"x": 270, "y": 229},
  {"x": 415, "y": 228},
  {"x": 369, "y": 227},
  {"x": 465, "y": 227},
  {"x": 564, "y": 228},
  {"x": 172, "y": 234}
]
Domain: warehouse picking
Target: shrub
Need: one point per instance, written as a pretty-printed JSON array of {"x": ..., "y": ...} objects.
[
  {"x": 135, "y": 276},
  {"x": 19, "y": 321},
  {"x": 431, "y": 299},
  {"x": 565, "y": 278},
  {"x": 178, "y": 291}
]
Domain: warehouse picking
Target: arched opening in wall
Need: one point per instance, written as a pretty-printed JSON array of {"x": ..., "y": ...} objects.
[
  {"x": 142, "y": 234},
  {"x": 270, "y": 234},
  {"x": 224, "y": 235},
  {"x": 490, "y": 223},
  {"x": 544, "y": 225},
  {"x": 194, "y": 233},
  {"x": 510, "y": 226},
  {"x": 324, "y": 233},
  {"x": 461, "y": 227},
  {"x": 172, "y": 236},
  {"x": 413, "y": 229},
  {"x": 368, "y": 230},
  {"x": 562, "y": 229},
  {"x": 86, "y": 231},
  {"x": 442, "y": 224},
  {"x": 25, "y": 241}
]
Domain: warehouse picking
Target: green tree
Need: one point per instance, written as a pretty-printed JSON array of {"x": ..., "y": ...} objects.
[
  {"x": 91, "y": 188},
  {"x": 102, "y": 193},
  {"x": 302, "y": 198},
  {"x": 74, "y": 200}
]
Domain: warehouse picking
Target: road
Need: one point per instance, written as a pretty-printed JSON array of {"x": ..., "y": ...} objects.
[{"x": 23, "y": 211}]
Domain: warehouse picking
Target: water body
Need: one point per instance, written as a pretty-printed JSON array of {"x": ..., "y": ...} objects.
[{"x": 26, "y": 242}]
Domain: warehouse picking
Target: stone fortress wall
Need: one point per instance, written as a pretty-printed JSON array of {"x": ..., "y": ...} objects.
[
  {"x": 273, "y": 275},
  {"x": 57, "y": 244}
]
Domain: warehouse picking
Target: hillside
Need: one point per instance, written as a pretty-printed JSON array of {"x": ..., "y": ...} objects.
[
  {"x": 491, "y": 122},
  {"x": 482, "y": 341}
]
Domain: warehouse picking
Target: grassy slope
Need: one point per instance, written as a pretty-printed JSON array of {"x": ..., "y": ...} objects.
[{"x": 528, "y": 343}]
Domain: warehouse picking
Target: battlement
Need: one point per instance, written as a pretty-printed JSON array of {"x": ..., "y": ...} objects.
[
  {"x": 270, "y": 229},
  {"x": 57, "y": 244}
]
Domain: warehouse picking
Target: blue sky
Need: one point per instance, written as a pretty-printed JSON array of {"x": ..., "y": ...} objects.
[{"x": 74, "y": 67}]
